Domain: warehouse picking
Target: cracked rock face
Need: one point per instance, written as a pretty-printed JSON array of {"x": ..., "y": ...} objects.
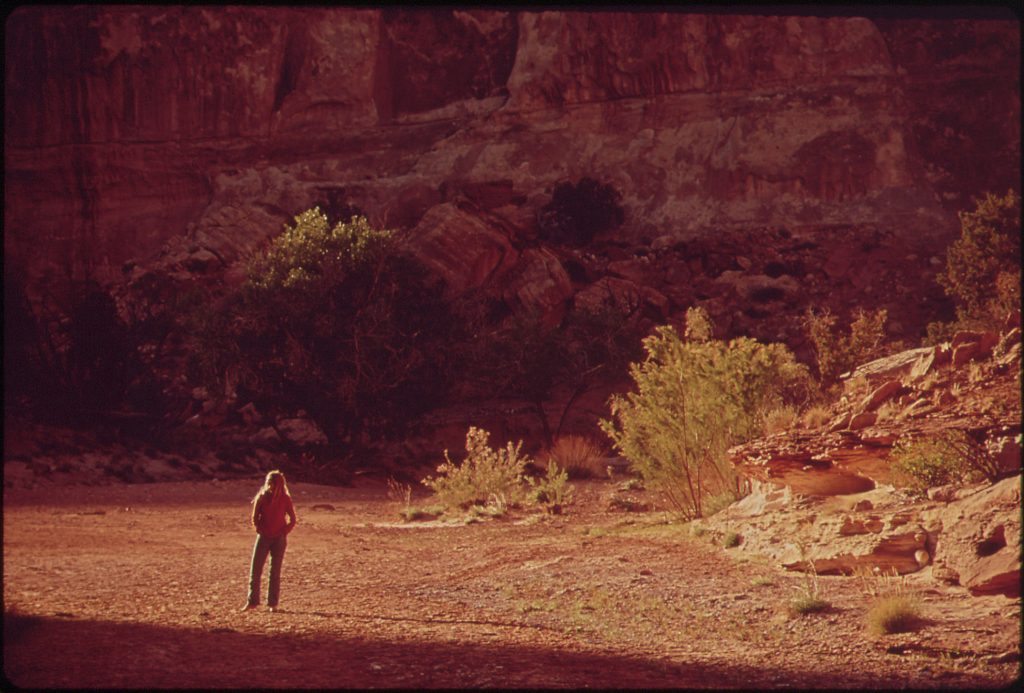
[{"x": 128, "y": 127}]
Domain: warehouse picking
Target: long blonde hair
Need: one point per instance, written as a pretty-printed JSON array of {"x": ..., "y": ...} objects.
[{"x": 271, "y": 485}]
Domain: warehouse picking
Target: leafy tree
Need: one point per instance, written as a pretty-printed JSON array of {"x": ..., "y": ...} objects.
[
  {"x": 334, "y": 321},
  {"x": 693, "y": 400},
  {"x": 982, "y": 271}
]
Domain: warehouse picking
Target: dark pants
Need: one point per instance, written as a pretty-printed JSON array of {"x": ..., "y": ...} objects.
[{"x": 275, "y": 547}]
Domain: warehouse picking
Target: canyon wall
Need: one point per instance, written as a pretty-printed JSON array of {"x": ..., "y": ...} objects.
[{"x": 131, "y": 129}]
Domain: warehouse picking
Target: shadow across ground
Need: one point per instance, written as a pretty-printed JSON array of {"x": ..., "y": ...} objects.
[{"x": 49, "y": 652}]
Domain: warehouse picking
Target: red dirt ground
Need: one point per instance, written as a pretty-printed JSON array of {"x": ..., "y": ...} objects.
[{"x": 139, "y": 586}]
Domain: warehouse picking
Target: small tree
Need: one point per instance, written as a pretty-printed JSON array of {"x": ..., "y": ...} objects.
[
  {"x": 693, "y": 400},
  {"x": 837, "y": 353},
  {"x": 577, "y": 212},
  {"x": 333, "y": 321},
  {"x": 982, "y": 271}
]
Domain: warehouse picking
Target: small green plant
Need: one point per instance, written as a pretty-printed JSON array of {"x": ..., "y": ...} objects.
[
  {"x": 806, "y": 603},
  {"x": 895, "y": 608},
  {"x": 815, "y": 417},
  {"x": 578, "y": 456},
  {"x": 732, "y": 540},
  {"x": 809, "y": 598},
  {"x": 762, "y": 581},
  {"x": 552, "y": 491},
  {"x": 399, "y": 492},
  {"x": 485, "y": 474},
  {"x": 779, "y": 420},
  {"x": 951, "y": 457}
]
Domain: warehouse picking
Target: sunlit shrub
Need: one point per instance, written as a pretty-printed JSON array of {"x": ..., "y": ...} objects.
[
  {"x": 551, "y": 491},
  {"x": 484, "y": 475},
  {"x": 693, "y": 400},
  {"x": 815, "y": 417},
  {"x": 951, "y": 457},
  {"x": 779, "y": 419},
  {"x": 893, "y": 614}
]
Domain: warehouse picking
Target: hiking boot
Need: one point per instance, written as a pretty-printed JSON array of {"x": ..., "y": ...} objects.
[{"x": 248, "y": 607}]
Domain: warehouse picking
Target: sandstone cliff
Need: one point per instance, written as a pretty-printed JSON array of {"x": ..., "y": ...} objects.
[{"x": 130, "y": 127}]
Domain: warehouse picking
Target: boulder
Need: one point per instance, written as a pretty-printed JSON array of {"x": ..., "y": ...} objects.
[
  {"x": 460, "y": 248},
  {"x": 301, "y": 431},
  {"x": 892, "y": 367},
  {"x": 881, "y": 395},
  {"x": 538, "y": 284},
  {"x": 979, "y": 545}
]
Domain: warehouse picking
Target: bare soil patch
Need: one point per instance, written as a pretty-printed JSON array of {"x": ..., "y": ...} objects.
[{"x": 140, "y": 585}]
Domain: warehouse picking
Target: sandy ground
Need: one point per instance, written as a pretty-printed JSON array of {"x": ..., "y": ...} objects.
[{"x": 140, "y": 586}]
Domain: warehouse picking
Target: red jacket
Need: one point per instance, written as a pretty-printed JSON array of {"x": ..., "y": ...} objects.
[{"x": 270, "y": 514}]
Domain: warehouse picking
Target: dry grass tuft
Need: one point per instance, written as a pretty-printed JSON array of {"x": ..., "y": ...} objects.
[
  {"x": 577, "y": 455},
  {"x": 895, "y": 607}
]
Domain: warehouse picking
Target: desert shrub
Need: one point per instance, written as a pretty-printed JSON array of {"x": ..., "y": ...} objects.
[
  {"x": 815, "y": 417},
  {"x": 335, "y": 321},
  {"x": 579, "y": 211},
  {"x": 485, "y": 476},
  {"x": 779, "y": 419},
  {"x": 551, "y": 491},
  {"x": 731, "y": 540},
  {"x": 982, "y": 273},
  {"x": 837, "y": 353},
  {"x": 951, "y": 457},
  {"x": 579, "y": 456},
  {"x": 693, "y": 400}
]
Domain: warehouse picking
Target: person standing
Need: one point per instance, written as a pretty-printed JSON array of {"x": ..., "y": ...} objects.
[{"x": 273, "y": 516}]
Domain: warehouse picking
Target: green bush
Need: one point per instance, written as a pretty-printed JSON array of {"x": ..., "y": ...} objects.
[
  {"x": 485, "y": 477},
  {"x": 335, "y": 321},
  {"x": 837, "y": 353},
  {"x": 952, "y": 457},
  {"x": 577, "y": 212},
  {"x": 982, "y": 272},
  {"x": 693, "y": 400},
  {"x": 552, "y": 491}
]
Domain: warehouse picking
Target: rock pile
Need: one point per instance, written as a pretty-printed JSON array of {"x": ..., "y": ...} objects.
[{"x": 827, "y": 500}]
